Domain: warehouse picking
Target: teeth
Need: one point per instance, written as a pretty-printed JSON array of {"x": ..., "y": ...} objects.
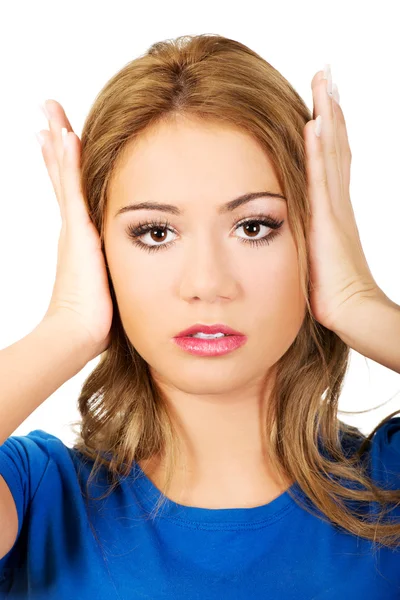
[{"x": 207, "y": 336}]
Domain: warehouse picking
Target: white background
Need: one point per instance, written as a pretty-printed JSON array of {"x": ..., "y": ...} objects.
[{"x": 68, "y": 50}]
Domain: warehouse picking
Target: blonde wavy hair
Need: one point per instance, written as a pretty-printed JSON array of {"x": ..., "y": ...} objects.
[{"x": 123, "y": 413}]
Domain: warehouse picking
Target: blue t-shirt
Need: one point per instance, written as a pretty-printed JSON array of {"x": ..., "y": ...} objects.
[{"x": 274, "y": 551}]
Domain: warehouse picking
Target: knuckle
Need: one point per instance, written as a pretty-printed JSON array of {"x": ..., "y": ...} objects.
[
  {"x": 331, "y": 151},
  {"x": 323, "y": 182}
]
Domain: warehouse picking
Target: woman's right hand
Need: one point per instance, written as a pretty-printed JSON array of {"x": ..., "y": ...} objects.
[{"x": 81, "y": 293}]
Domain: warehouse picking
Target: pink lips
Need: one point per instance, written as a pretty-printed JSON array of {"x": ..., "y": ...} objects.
[
  {"x": 210, "y": 347},
  {"x": 216, "y": 347},
  {"x": 218, "y": 328}
]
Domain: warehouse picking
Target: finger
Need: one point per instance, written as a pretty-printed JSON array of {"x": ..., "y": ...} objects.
[
  {"x": 323, "y": 105},
  {"x": 74, "y": 205},
  {"x": 317, "y": 181},
  {"x": 57, "y": 119},
  {"x": 341, "y": 134},
  {"x": 343, "y": 140},
  {"x": 52, "y": 166}
]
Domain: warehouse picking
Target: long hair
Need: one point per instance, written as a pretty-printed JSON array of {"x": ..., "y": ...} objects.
[{"x": 123, "y": 413}]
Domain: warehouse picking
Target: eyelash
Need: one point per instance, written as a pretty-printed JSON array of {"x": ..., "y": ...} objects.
[{"x": 138, "y": 231}]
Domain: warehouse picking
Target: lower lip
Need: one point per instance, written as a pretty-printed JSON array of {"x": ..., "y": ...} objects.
[{"x": 216, "y": 347}]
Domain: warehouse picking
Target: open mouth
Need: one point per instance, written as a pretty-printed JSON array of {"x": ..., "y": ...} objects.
[{"x": 205, "y": 336}]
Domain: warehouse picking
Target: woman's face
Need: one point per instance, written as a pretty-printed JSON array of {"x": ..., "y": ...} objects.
[{"x": 202, "y": 270}]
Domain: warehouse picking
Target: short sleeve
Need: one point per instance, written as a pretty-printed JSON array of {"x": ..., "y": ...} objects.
[
  {"x": 385, "y": 454},
  {"x": 42, "y": 474},
  {"x": 23, "y": 462}
]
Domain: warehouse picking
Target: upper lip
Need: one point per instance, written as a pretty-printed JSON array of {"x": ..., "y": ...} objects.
[{"x": 218, "y": 328}]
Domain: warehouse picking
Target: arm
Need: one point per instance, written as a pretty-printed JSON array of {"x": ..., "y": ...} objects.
[
  {"x": 34, "y": 367},
  {"x": 372, "y": 328}
]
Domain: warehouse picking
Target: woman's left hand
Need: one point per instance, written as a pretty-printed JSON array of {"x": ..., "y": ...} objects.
[{"x": 340, "y": 276}]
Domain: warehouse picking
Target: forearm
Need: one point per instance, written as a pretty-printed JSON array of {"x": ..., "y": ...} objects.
[
  {"x": 374, "y": 331},
  {"x": 34, "y": 367}
]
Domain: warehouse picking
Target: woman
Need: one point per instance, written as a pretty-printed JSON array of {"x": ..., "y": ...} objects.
[{"x": 204, "y": 201}]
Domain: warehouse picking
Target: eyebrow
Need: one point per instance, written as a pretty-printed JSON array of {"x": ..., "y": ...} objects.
[{"x": 225, "y": 208}]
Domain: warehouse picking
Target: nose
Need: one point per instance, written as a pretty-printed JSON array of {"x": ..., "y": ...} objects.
[{"x": 208, "y": 273}]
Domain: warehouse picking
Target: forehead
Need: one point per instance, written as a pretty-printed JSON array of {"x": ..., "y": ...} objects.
[{"x": 186, "y": 160}]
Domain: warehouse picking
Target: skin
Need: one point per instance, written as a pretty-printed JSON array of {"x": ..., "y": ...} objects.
[
  {"x": 213, "y": 399},
  {"x": 206, "y": 275}
]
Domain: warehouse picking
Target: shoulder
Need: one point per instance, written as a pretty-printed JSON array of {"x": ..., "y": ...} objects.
[
  {"x": 385, "y": 453},
  {"x": 381, "y": 452}
]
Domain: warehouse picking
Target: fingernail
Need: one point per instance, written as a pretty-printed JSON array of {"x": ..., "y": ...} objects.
[
  {"x": 40, "y": 138},
  {"x": 335, "y": 93},
  {"x": 64, "y": 133},
  {"x": 328, "y": 75},
  {"x": 43, "y": 108},
  {"x": 317, "y": 126}
]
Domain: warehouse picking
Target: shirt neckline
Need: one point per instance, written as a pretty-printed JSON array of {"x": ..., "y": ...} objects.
[{"x": 226, "y": 518}]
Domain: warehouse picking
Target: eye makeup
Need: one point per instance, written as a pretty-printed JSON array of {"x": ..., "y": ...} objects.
[{"x": 137, "y": 232}]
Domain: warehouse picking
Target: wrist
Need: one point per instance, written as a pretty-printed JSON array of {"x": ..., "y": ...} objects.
[{"x": 71, "y": 335}]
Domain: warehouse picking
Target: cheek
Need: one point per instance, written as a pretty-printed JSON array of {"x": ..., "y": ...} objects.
[
  {"x": 273, "y": 276},
  {"x": 139, "y": 292},
  {"x": 275, "y": 297}
]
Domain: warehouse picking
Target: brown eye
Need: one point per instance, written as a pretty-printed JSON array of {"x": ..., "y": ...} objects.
[
  {"x": 158, "y": 232},
  {"x": 252, "y": 228}
]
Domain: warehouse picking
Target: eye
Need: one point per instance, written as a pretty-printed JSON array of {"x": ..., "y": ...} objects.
[
  {"x": 252, "y": 227},
  {"x": 158, "y": 231},
  {"x": 143, "y": 229}
]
